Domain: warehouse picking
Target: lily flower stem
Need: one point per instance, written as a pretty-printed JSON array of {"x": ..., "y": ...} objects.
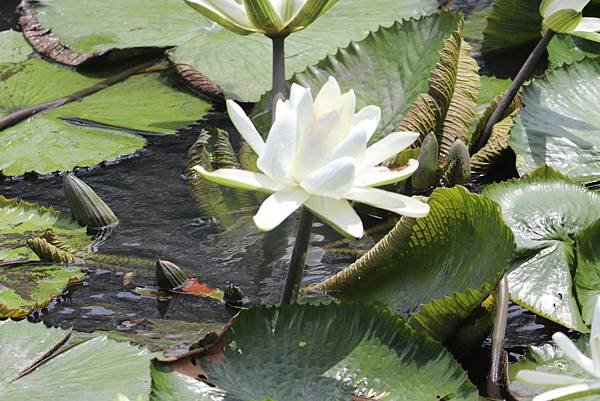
[
  {"x": 495, "y": 379},
  {"x": 296, "y": 269},
  {"x": 523, "y": 75},
  {"x": 279, "y": 89}
]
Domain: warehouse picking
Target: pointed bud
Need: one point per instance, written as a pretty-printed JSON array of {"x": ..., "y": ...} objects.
[
  {"x": 426, "y": 174},
  {"x": 48, "y": 252},
  {"x": 169, "y": 275},
  {"x": 233, "y": 295},
  {"x": 87, "y": 207},
  {"x": 458, "y": 171}
]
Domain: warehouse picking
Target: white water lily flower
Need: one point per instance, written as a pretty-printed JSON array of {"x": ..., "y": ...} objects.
[
  {"x": 572, "y": 387},
  {"x": 564, "y": 16},
  {"x": 316, "y": 155},
  {"x": 270, "y": 17}
]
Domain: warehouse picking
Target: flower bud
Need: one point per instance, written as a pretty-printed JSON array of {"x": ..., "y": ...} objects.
[{"x": 87, "y": 207}]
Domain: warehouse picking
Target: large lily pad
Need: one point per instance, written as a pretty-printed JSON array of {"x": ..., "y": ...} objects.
[
  {"x": 546, "y": 214},
  {"x": 13, "y": 48},
  {"x": 437, "y": 269},
  {"x": 37, "y": 368},
  {"x": 147, "y": 103},
  {"x": 389, "y": 69},
  {"x": 26, "y": 287},
  {"x": 557, "y": 126},
  {"x": 325, "y": 353}
]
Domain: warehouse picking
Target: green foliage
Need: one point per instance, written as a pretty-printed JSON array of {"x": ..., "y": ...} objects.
[
  {"x": 556, "y": 126},
  {"x": 550, "y": 219},
  {"x": 44, "y": 367},
  {"x": 326, "y": 352},
  {"x": 437, "y": 269}
]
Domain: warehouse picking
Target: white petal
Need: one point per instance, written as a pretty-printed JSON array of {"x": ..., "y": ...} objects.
[
  {"x": 328, "y": 97},
  {"x": 540, "y": 378},
  {"x": 277, "y": 207},
  {"x": 588, "y": 24},
  {"x": 572, "y": 352},
  {"x": 387, "y": 147},
  {"x": 577, "y": 5},
  {"x": 379, "y": 176},
  {"x": 301, "y": 100},
  {"x": 400, "y": 204},
  {"x": 569, "y": 392},
  {"x": 338, "y": 214},
  {"x": 278, "y": 155},
  {"x": 354, "y": 146},
  {"x": 245, "y": 127},
  {"x": 368, "y": 117},
  {"x": 230, "y": 9},
  {"x": 595, "y": 338},
  {"x": 347, "y": 105},
  {"x": 241, "y": 179},
  {"x": 332, "y": 180},
  {"x": 315, "y": 145}
]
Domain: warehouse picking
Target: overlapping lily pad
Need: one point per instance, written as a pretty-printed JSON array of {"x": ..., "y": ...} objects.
[
  {"x": 26, "y": 287},
  {"x": 437, "y": 269},
  {"x": 324, "y": 353},
  {"x": 95, "y": 370},
  {"x": 549, "y": 217},
  {"x": 558, "y": 125},
  {"x": 146, "y": 103},
  {"x": 240, "y": 66}
]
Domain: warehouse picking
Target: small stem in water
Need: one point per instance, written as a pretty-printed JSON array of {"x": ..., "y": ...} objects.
[
  {"x": 296, "y": 270},
  {"x": 279, "y": 87},
  {"x": 523, "y": 75},
  {"x": 495, "y": 378}
]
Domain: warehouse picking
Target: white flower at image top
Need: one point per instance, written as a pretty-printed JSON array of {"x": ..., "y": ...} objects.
[
  {"x": 317, "y": 155},
  {"x": 570, "y": 387},
  {"x": 270, "y": 17},
  {"x": 556, "y": 14}
]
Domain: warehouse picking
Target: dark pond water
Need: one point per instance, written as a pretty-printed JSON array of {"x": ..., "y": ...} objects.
[{"x": 160, "y": 219}]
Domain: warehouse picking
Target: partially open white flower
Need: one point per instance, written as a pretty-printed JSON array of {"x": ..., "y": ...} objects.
[
  {"x": 270, "y": 17},
  {"x": 571, "y": 386},
  {"x": 316, "y": 155},
  {"x": 565, "y": 16}
]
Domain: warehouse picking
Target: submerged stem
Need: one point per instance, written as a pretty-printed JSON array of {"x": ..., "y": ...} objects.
[
  {"x": 279, "y": 89},
  {"x": 495, "y": 378},
  {"x": 296, "y": 269},
  {"x": 523, "y": 75}
]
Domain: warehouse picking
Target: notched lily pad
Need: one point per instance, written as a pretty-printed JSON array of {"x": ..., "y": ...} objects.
[{"x": 329, "y": 353}]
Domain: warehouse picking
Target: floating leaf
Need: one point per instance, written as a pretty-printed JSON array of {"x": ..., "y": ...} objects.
[
  {"x": 194, "y": 286},
  {"x": 437, "y": 269},
  {"x": 556, "y": 126},
  {"x": 324, "y": 353},
  {"x": 492, "y": 87},
  {"x": 94, "y": 370},
  {"x": 13, "y": 47},
  {"x": 546, "y": 215}
]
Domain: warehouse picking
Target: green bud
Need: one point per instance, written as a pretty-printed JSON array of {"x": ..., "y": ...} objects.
[
  {"x": 426, "y": 174},
  {"x": 458, "y": 168},
  {"x": 169, "y": 275},
  {"x": 86, "y": 206}
]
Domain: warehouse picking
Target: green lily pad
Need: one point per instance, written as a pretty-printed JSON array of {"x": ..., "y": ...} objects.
[
  {"x": 241, "y": 65},
  {"x": 13, "y": 47},
  {"x": 492, "y": 87},
  {"x": 323, "y": 353},
  {"x": 95, "y": 370},
  {"x": 20, "y": 220},
  {"x": 546, "y": 214},
  {"x": 150, "y": 102},
  {"x": 557, "y": 126},
  {"x": 26, "y": 287},
  {"x": 88, "y": 28},
  {"x": 437, "y": 269},
  {"x": 567, "y": 49},
  {"x": 390, "y": 68}
]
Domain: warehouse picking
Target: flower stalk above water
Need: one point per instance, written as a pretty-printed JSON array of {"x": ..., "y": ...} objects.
[{"x": 571, "y": 386}]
